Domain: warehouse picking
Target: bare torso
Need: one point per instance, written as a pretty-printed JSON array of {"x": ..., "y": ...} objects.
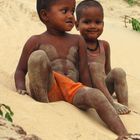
[
  {"x": 97, "y": 59},
  {"x": 62, "y": 53},
  {"x": 63, "y": 61},
  {"x": 66, "y": 53}
]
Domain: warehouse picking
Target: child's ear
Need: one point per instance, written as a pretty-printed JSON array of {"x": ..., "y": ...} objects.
[
  {"x": 44, "y": 15},
  {"x": 77, "y": 25}
]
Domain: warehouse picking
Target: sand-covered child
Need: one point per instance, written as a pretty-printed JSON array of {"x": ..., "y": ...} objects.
[
  {"x": 56, "y": 63},
  {"x": 90, "y": 23}
]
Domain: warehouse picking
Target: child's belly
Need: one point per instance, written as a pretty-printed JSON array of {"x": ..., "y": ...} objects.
[{"x": 66, "y": 67}]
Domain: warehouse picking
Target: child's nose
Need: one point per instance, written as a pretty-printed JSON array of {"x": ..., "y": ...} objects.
[
  {"x": 70, "y": 15},
  {"x": 92, "y": 25}
]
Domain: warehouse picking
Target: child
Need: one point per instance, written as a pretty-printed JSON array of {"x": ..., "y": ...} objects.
[
  {"x": 90, "y": 24},
  {"x": 55, "y": 57}
]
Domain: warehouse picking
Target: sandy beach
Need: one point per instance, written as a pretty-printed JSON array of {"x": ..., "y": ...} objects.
[{"x": 60, "y": 120}]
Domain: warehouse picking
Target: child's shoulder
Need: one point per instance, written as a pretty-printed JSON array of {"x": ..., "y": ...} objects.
[
  {"x": 33, "y": 42},
  {"x": 77, "y": 39},
  {"x": 76, "y": 36},
  {"x": 34, "y": 38},
  {"x": 105, "y": 43}
]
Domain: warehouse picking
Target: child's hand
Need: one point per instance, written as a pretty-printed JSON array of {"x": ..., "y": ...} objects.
[{"x": 23, "y": 92}]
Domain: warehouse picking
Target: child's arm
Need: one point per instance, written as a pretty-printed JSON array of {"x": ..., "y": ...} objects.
[
  {"x": 107, "y": 55},
  {"x": 99, "y": 79},
  {"x": 21, "y": 69},
  {"x": 83, "y": 64}
]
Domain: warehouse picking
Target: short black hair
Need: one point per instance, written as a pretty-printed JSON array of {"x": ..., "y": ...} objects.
[
  {"x": 44, "y": 4},
  {"x": 87, "y": 3}
]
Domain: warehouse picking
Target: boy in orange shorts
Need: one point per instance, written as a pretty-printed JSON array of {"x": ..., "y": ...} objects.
[{"x": 56, "y": 61}]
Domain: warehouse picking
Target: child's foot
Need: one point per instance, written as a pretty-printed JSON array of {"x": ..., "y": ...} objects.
[
  {"x": 129, "y": 137},
  {"x": 121, "y": 109}
]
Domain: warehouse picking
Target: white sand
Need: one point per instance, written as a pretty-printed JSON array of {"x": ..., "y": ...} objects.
[{"x": 60, "y": 120}]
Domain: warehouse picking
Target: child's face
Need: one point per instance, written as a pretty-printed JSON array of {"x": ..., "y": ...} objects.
[
  {"x": 91, "y": 23},
  {"x": 60, "y": 16}
]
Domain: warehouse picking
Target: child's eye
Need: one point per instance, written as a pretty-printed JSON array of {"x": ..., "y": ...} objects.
[
  {"x": 64, "y": 11},
  {"x": 87, "y": 21},
  {"x": 99, "y": 21}
]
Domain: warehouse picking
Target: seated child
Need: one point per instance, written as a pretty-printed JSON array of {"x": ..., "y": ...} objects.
[
  {"x": 90, "y": 23},
  {"x": 55, "y": 59}
]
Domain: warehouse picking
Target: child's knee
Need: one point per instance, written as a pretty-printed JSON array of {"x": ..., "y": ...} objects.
[
  {"x": 38, "y": 63},
  {"x": 36, "y": 57},
  {"x": 92, "y": 97},
  {"x": 96, "y": 97},
  {"x": 119, "y": 73}
]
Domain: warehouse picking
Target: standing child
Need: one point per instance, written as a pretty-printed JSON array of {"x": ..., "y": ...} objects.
[
  {"x": 90, "y": 23},
  {"x": 55, "y": 57}
]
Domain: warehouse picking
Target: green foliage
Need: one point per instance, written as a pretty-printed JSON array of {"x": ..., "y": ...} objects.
[
  {"x": 130, "y": 2},
  {"x": 6, "y": 112},
  {"x": 133, "y": 2},
  {"x": 134, "y": 22}
]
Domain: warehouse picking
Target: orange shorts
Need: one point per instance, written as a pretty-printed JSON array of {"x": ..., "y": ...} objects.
[{"x": 63, "y": 89}]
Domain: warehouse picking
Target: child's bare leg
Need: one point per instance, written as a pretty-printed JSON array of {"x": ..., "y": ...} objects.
[
  {"x": 40, "y": 75},
  {"x": 99, "y": 80},
  {"x": 93, "y": 98},
  {"x": 117, "y": 79}
]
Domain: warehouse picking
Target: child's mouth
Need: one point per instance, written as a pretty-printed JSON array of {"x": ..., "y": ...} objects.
[
  {"x": 91, "y": 31},
  {"x": 69, "y": 22}
]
